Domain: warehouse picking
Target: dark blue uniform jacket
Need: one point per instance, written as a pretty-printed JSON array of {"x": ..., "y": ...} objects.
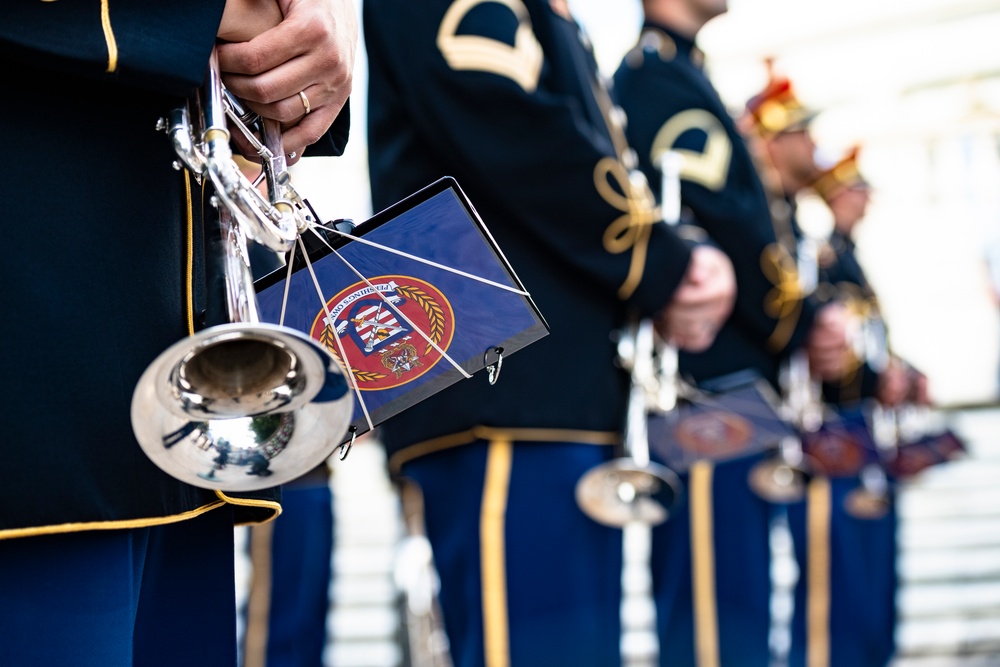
[
  {"x": 671, "y": 105},
  {"x": 94, "y": 276},
  {"x": 504, "y": 100}
]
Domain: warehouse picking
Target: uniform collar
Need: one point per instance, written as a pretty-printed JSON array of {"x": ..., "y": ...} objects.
[
  {"x": 673, "y": 42},
  {"x": 841, "y": 241}
]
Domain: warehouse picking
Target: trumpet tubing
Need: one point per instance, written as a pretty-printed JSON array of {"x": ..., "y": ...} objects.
[
  {"x": 632, "y": 488},
  {"x": 240, "y": 405}
]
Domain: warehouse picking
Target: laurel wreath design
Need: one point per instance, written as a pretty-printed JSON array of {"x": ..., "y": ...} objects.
[
  {"x": 367, "y": 376},
  {"x": 328, "y": 337},
  {"x": 434, "y": 312}
]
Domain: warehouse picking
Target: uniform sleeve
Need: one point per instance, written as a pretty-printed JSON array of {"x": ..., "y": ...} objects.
[
  {"x": 842, "y": 279},
  {"x": 496, "y": 93},
  {"x": 159, "y": 46},
  {"x": 334, "y": 141},
  {"x": 859, "y": 383}
]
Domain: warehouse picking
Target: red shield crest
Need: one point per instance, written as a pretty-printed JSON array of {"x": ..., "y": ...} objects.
[{"x": 392, "y": 329}]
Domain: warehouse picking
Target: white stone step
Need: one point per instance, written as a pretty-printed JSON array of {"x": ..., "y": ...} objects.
[
  {"x": 950, "y": 637},
  {"x": 369, "y": 622},
  {"x": 981, "y": 501},
  {"x": 349, "y": 591},
  {"x": 938, "y": 565},
  {"x": 950, "y": 533},
  {"x": 959, "y": 599},
  {"x": 363, "y": 561},
  {"x": 362, "y": 654}
]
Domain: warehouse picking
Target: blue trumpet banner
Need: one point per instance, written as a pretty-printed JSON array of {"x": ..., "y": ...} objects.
[
  {"x": 422, "y": 285},
  {"x": 843, "y": 445},
  {"x": 729, "y": 418},
  {"x": 910, "y": 458}
]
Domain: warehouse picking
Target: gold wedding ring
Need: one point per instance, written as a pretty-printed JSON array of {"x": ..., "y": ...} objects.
[{"x": 305, "y": 101}]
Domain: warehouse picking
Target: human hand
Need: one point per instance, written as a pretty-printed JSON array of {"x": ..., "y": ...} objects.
[
  {"x": 919, "y": 389},
  {"x": 893, "y": 384},
  {"x": 702, "y": 303},
  {"x": 827, "y": 345},
  {"x": 242, "y": 20},
  {"x": 310, "y": 51}
]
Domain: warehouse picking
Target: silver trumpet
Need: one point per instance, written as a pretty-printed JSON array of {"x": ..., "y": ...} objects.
[
  {"x": 240, "y": 405},
  {"x": 872, "y": 499},
  {"x": 783, "y": 477},
  {"x": 632, "y": 488}
]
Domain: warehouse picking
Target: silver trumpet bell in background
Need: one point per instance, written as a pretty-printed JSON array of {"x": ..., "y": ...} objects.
[
  {"x": 631, "y": 488},
  {"x": 783, "y": 478},
  {"x": 872, "y": 498},
  {"x": 241, "y": 405}
]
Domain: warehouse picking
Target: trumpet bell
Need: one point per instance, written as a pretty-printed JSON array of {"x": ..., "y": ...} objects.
[
  {"x": 779, "y": 481},
  {"x": 241, "y": 407},
  {"x": 871, "y": 499},
  {"x": 238, "y": 370},
  {"x": 621, "y": 492},
  {"x": 862, "y": 503}
]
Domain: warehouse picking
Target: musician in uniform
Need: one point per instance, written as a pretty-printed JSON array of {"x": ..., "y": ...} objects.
[
  {"x": 859, "y": 596},
  {"x": 775, "y": 125},
  {"x": 846, "y": 563},
  {"x": 717, "y": 615},
  {"x": 879, "y": 373},
  {"x": 104, "y": 558},
  {"x": 506, "y": 97}
]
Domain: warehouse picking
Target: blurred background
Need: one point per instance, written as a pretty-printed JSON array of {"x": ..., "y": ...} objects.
[{"x": 915, "y": 83}]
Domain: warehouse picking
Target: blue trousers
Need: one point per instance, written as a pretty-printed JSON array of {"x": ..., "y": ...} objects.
[
  {"x": 526, "y": 578},
  {"x": 721, "y": 615},
  {"x": 141, "y": 597},
  {"x": 857, "y": 593},
  {"x": 292, "y": 571}
]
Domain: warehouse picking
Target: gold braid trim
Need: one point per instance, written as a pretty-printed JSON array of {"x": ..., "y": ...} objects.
[
  {"x": 819, "y": 506},
  {"x": 273, "y": 506},
  {"x": 632, "y": 229},
  {"x": 259, "y": 600},
  {"x": 107, "y": 525},
  {"x": 706, "y": 618},
  {"x": 109, "y": 37},
  {"x": 784, "y": 301},
  {"x": 415, "y": 451},
  {"x": 492, "y": 551},
  {"x": 189, "y": 254}
]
